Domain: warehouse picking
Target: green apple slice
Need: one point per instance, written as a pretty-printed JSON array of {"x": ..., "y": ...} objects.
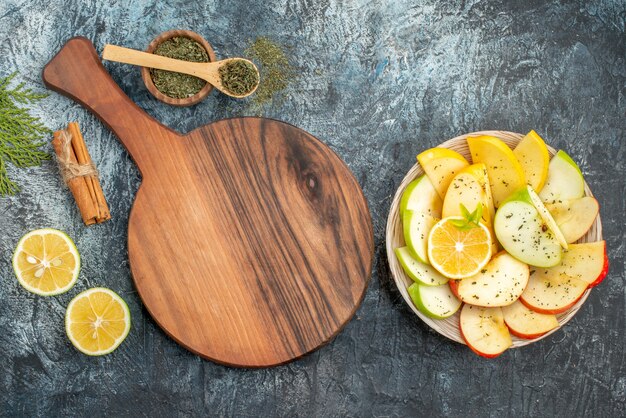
[
  {"x": 565, "y": 180},
  {"x": 434, "y": 301},
  {"x": 419, "y": 272},
  {"x": 416, "y": 226},
  {"x": 420, "y": 195},
  {"x": 547, "y": 217},
  {"x": 523, "y": 234}
]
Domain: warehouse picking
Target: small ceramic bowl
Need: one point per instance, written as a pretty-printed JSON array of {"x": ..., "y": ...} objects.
[{"x": 147, "y": 78}]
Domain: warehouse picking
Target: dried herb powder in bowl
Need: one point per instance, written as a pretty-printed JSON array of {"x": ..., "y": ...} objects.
[
  {"x": 177, "y": 85},
  {"x": 239, "y": 77}
]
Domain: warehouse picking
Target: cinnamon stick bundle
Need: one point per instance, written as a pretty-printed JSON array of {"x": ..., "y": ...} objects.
[{"x": 80, "y": 174}]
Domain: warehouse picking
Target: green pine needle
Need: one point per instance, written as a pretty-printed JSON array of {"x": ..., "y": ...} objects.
[{"x": 21, "y": 135}]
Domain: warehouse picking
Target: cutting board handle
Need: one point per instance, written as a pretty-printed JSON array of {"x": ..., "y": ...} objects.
[{"x": 77, "y": 72}]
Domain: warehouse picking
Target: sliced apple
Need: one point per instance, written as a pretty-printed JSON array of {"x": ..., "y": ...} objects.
[
  {"x": 587, "y": 262},
  {"x": 479, "y": 171},
  {"x": 484, "y": 330},
  {"x": 565, "y": 180},
  {"x": 551, "y": 292},
  {"x": 468, "y": 190},
  {"x": 416, "y": 226},
  {"x": 421, "y": 196},
  {"x": 500, "y": 283},
  {"x": 506, "y": 174},
  {"x": 441, "y": 165},
  {"x": 532, "y": 153},
  {"x": 523, "y": 234},
  {"x": 574, "y": 217},
  {"x": 419, "y": 272},
  {"x": 528, "y": 324},
  {"x": 546, "y": 217},
  {"x": 434, "y": 301}
]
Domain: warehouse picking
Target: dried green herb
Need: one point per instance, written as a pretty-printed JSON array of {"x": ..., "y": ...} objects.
[
  {"x": 239, "y": 77},
  {"x": 276, "y": 72},
  {"x": 177, "y": 85},
  {"x": 20, "y": 133}
]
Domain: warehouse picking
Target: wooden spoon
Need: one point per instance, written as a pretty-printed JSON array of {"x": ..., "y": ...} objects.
[{"x": 208, "y": 71}]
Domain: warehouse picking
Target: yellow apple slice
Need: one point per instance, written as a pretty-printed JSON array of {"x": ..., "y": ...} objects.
[
  {"x": 484, "y": 330},
  {"x": 441, "y": 165},
  {"x": 464, "y": 190},
  {"x": 547, "y": 218},
  {"x": 532, "y": 153},
  {"x": 470, "y": 187},
  {"x": 506, "y": 174},
  {"x": 479, "y": 171}
]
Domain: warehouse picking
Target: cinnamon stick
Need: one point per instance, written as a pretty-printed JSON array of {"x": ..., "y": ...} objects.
[
  {"x": 93, "y": 183},
  {"x": 80, "y": 175}
]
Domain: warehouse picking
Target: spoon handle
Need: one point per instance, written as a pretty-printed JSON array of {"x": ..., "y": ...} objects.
[{"x": 144, "y": 59}]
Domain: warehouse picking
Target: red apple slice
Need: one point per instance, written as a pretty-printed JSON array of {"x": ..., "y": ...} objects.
[
  {"x": 574, "y": 217},
  {"x": 551, "y": 292},
  {"x": 587, "y": 262},
  {"x": 484, "y": 330},
  {"x": 524, "y": 323},
  {"x": 500, "y": 283},
  {"x": 602, "y": 276}
]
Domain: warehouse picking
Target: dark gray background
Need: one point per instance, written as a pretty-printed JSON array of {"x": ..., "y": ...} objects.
[{"x": 379, "y": 82}]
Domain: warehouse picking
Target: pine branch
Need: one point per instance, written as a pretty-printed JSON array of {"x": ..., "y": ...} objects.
[{"x": 20, "y": 133}]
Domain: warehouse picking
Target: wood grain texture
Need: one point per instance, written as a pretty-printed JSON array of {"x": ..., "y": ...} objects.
[{"x": 250, "y": 241}]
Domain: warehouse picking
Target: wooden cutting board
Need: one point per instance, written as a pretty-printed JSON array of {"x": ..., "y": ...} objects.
[{"x": 250, "y": 241}]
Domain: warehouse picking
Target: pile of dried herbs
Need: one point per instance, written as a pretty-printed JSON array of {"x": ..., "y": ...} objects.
[
  {"x": 20, "y": 133},
  {"x": 239, "y": 77},
  {"x": 276, "y": 72},
  {"x": 177, "y": 85}
]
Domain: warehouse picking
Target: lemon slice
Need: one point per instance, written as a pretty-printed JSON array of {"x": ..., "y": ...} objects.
[
  {"x": 97, "y": 321},
  {"x": 458, "y": 253},
  {"x": 46, "y": 262}
]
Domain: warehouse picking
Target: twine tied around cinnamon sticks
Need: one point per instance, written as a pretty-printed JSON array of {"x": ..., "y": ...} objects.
[
  {"x": 68, "y": 168},
  {"x": 80, "y": 174}
]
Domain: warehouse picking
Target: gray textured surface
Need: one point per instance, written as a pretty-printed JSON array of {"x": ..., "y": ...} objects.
[{"x": 379, "y": 82}]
